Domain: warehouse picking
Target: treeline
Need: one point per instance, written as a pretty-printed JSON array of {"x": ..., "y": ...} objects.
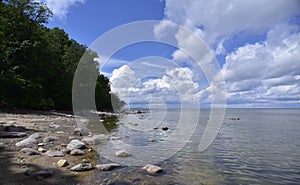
[{"x": 38, "y": 64}]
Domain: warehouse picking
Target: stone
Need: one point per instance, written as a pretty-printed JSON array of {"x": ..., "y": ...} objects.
[
  {"x": 96, "y": 139},
  {"x": 133, "y": 124},
  {"x": 76, "y": 144},
  {"x": 82, "y": 167},
  {"x": 1, "y": 145},
  {"x": 62, "y": 163},
  {"x": 60, "y": 132},
  {"x": 12, "y": 134},
  {"x": 35, "y": 136},
  {"x": 233, "y": 118},
  {"x": 41, "y": 144},
  {"x": 155, "y": 128},
  {"x": 150, "y": 168},
  {"x": 29, "y": 151},
  {"x": 80, "y": 132},
  {"x": 107, "y": 167},
  {"x": 123, "y": 153},
  {"x": 77, "y": 152},
  {"x": 65, "y": 151},
  {"x": 151, "y": 140},
  {"x": 55, "y": 153},
  {"x": 43, "y": 174},
  {"x": 49, "y": 139},
  {"x": 26, "y": 142},
  {"x": 40, "y": 149},
  {"x": 13, "y": 128},
  {"x": 114, "y": 138},
  {"x": 165, "y": 128},
  {"x": 53, "y": 125}
]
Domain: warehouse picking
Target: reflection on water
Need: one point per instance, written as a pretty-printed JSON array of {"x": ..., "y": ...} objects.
[{"x": 263, "y": 147}]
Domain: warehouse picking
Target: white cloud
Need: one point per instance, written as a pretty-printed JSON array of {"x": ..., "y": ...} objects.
[
  {"x": 60, "y": 8},
  {"x": 268, "y": 71},
  {"x": 219, "y": 19},
  {"x": 175, "y": 86}
]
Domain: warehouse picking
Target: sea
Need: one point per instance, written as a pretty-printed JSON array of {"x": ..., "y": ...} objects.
[{"x": 252, "y": 146}]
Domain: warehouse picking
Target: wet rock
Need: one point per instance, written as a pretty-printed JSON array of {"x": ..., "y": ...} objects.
[
  {"x": 76, "y": 144},
  {"x": 82, "y": 167},
  {"x": 107, "y": 167},
  {"x": 43, "y": 174},
  {"x": 62, "y": 163},
  {"x": 12, "y": 134},
  {"x": 55, "y": 154},
  {"x": 77, "y": 152},
  {"x": 165, "y": 128},
  {"x": 26, "y": 142},
  {"x": 49, "y": 139},
  {"x": 40, "y": 149},
  {"x": 150, "y": 168},
  {"x": 123, "y": 153},
  {"x": 29, "y": 151}
]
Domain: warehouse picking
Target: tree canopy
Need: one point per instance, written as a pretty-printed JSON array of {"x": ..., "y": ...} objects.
[{"x": 37, "y": 64}]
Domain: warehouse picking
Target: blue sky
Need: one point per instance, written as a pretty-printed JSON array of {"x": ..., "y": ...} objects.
[{"x": 256, "y": 44}]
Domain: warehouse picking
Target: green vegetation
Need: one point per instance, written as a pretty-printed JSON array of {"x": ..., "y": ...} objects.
[{"x": 37, "y": 64}]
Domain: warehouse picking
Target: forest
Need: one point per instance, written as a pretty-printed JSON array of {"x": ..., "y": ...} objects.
[{"x": 38, "y": 63}]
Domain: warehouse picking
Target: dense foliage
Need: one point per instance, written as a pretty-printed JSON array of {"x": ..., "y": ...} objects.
[{"x": 37, "y": 64}]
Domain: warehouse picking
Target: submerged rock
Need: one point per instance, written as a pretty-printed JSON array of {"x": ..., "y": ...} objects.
[
  {"x": 82, "y": 167},
  {"x": 76, "y": 144},
  {"x": 123, "y": 153},
  {"x": 107, "y": 167},
  {"x": 29, "y": 151},
  {"x": 150, "y": 168}
]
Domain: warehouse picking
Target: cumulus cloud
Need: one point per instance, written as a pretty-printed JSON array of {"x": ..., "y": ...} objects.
[
  {"x": 175, "y": 86},
  {"x": 268, "y": 71},
  {"x": 60, "y": 8},
  {"x": 219, "y": 19}
]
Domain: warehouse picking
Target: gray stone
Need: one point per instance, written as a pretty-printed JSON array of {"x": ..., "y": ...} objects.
[
  {"x": 96, "y": 139},
  {"x": 150, "y": 168},
  {"x": 13, "y": 128},
  {"x": 80, "y": 131},
  {"x": 49, "y": 139},
  {"x": 82, "y": 167},
  {"x": 43, "y": 174},
  {"x": 26, "y": 142},
  {"x": 76, "y": 144},
  {"x": 35, "y": 136},
  {"x": 107, "y": 167},
  {"x": 53, "y": 125},
  {"x": 77, "y": 152},
  {"x": 55, "y": 154},
  {"x": 114, "y": 138},
  {"x": 12, "y": 134},
  {"x": 123, "y": 153},
  {"x": 65, "y": 151},
  {"x": 29, "y": 151},
  {"x": 1, "y": 145}
]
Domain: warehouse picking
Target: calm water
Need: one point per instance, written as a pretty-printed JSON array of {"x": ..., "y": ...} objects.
[{"x": 263, "y": 147}]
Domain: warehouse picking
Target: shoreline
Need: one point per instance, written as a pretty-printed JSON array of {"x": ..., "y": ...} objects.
[{"x": 19, "y": 168}]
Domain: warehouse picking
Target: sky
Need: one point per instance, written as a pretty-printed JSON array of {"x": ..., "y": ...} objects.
[{"x": 256, "y": 44}]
